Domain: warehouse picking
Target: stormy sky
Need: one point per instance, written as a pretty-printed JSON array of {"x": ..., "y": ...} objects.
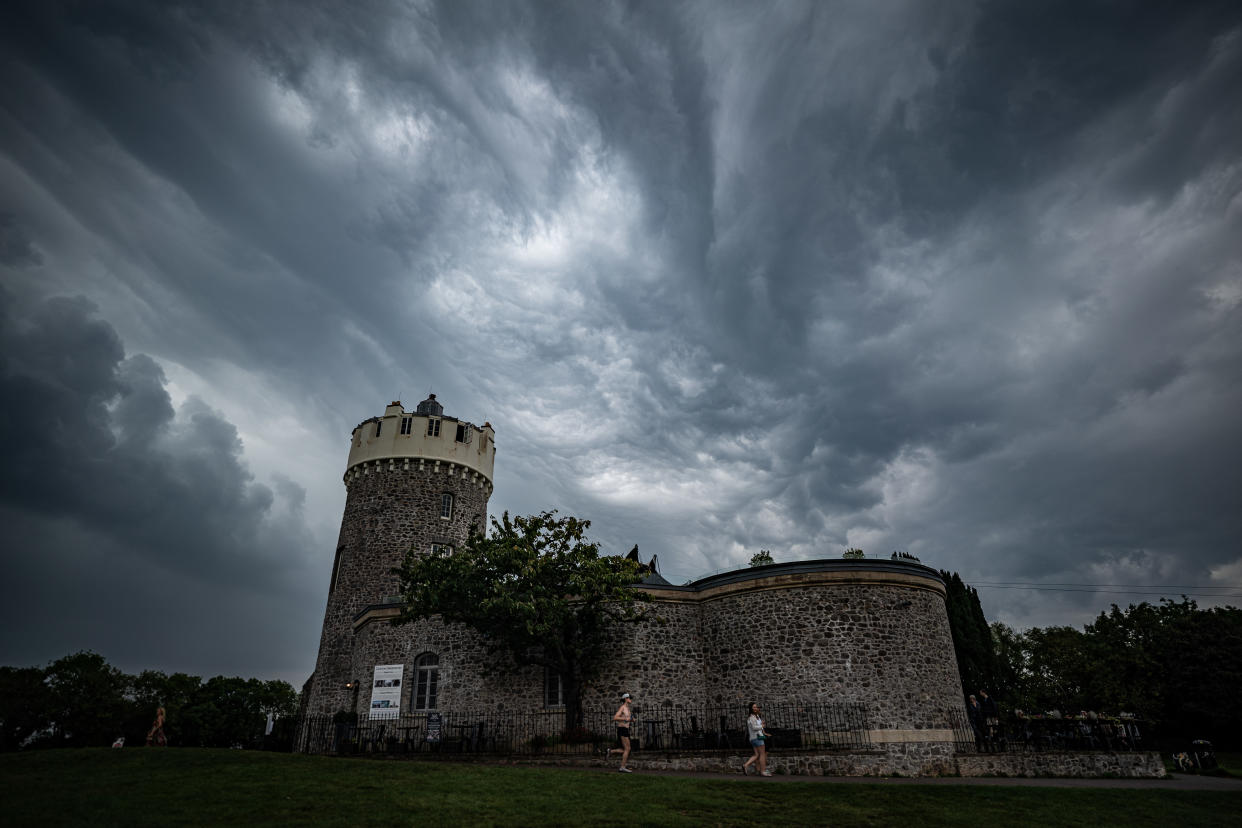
[{"x": 961, "y": 279}]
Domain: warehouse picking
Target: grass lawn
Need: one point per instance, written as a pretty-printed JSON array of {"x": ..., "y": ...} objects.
[{"x": 220, "y": 787}]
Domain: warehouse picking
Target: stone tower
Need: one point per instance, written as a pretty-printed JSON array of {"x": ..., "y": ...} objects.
[{"x": 415, "y": 480}]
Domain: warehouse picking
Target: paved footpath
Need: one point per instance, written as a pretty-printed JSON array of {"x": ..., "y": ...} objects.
[{"x": 1174, "y": 782}]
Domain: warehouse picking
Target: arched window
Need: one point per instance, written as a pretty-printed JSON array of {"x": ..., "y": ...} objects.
[
  {"x": 426, "y": 681},
  {"x": 446, "y": 506},
  {"x": 553, "y": 688}
]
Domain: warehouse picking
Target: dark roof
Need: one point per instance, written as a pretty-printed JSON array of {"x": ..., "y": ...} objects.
[
  {"x": 654, "y": 578},
  {"x": 429, "y": 407}
]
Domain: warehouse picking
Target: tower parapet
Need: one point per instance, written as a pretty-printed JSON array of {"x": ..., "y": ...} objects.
[{"x": 427, "y": 437}]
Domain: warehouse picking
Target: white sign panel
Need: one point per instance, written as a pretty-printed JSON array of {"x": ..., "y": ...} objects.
[{"x": 386, "y": 691}]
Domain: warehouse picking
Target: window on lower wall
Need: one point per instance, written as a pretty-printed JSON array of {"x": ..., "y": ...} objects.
[
  {"x": 553, "y": 689},
  {"x": 446, "y": 506},
  {"x": 441, "y": 549},
  {"x": 426, "y": 681}
]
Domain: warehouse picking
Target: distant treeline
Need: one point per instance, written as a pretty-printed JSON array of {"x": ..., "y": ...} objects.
[
  {"x": 1171, "y": 663},
  {"x": 80, "y": 700}
]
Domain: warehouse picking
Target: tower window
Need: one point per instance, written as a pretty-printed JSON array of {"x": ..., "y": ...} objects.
[
  {"x": 426, "y": 681},
  {"x": 336, "y": 567},
  {"x": 446, "y": 506},
  {"x": 553, "y": 689},
  {"x": 378, "y": 425},
  {"x": 406, "y": 423},
  {"x": 441, "y": 549},
  {"x": 433, "y": 427}
]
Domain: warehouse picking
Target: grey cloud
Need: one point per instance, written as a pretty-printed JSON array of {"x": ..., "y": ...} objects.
[
  {"x": 96, "y": 440},
  {"x": 16, "y": 249},
  {"x": 779, "y": 275}
]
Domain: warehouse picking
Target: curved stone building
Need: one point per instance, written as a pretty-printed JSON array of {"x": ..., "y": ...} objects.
[{"x": 871, "y": 633}]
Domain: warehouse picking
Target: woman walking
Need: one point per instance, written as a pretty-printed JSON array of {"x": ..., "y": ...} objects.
[{"x": 756, "y": 733}]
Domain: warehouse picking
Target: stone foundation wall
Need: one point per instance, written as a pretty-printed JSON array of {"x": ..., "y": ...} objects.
[
  {"x": 922, "y": 759},
  {"x": 922, "y": 762},
  {"x": 1129, "y": 765}
]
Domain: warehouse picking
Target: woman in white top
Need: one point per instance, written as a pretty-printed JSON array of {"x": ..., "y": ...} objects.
[{"x": 756, "y": 734}]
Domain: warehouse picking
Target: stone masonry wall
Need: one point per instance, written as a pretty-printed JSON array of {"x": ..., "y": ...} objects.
[
  {"x": 658, "y": 660},
  {"x": 389, "y": 510},
  {"x": 887, "y": 646},
  {"x": 467, "y": 678}
]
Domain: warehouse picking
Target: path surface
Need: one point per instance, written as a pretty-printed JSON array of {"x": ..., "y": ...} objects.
[{"x": 1175, "y": 782}]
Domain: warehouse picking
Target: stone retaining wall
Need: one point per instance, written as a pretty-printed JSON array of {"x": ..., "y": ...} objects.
[
  {"x": 1129, "y": 765},
  {"x": 883, "y": 762}
]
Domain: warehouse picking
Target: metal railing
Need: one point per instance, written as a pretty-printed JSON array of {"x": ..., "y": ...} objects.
[
  {"x": 793, "y": 727},
  {"x": 1013, "y": 733}
]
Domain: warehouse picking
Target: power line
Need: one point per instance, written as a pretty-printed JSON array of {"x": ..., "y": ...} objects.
[
  {"x": 1137, "y": 586},
  {"x": 1158, "y": 592}
]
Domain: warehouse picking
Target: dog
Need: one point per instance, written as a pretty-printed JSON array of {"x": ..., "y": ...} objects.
[{"x": 119, "y": 743}]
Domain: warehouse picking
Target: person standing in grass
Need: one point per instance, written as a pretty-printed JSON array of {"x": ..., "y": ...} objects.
[
  {"x": 622, "y": 718},
  {"x": 155, "y": 736},
  {"x": 756, "y": 733}
]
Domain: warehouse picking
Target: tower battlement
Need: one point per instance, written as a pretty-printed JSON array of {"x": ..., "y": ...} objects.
[{"x": 425, "y": 437}]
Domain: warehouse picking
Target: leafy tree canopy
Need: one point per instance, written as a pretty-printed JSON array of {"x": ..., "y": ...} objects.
[
  {"x": 761, "y": 558},
  {"x": 1170, "y": 663},
  {"x": 81, "y": 700},
  {"x": 972, "y": 640},
  {"x": 536, "y": 588}
]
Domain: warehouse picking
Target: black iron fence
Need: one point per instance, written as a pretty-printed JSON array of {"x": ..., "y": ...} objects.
[
  {"x": 795, "y": 727},
  {"x": 1012, "y": 732}
]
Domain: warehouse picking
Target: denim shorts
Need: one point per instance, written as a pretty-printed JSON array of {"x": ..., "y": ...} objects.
[{"x": 757, "y": 742}]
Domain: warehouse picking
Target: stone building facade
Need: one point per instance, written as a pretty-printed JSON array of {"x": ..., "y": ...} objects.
[{"x": 871, "y": 632}]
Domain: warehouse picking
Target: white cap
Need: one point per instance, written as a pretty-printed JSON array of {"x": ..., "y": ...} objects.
[{"x": 625, "y": 695}]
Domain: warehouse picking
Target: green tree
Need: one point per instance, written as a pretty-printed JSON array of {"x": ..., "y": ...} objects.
[
  {"x": 761, "y": 558},
  {"x": 537, "y": 589},
  {"x": 1202, "y": 665},
  {"x": 1009, "y": 647},
  {"x": 977, "y": 664},
  {"x": 1172, "y": 663},
  {"x": 86, "y": 700},
  {"x": 1059, "y": 663},
  {"x": 23, "y": 705}
]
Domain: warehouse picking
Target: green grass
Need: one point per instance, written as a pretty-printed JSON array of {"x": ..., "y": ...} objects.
[
  {"x": 1230, "y": 762},
  {"x": 220, "y": 787}
]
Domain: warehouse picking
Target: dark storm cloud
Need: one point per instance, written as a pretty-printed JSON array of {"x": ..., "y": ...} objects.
[
  {"x": 113, "y": 495},
  {"x": 960, "y": 278},
  {"x": 94, "y": 438}
]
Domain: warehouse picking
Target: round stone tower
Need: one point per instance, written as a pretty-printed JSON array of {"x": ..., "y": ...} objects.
[{"x": 417, "y": 481}]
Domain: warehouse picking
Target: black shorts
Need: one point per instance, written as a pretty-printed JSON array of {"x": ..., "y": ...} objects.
[{"x": 623, "y": 732}]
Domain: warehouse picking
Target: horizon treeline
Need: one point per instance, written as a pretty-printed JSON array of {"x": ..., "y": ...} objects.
[
  {"x": 82, "y": 701},
  {"x": 1171, "y": 664}
]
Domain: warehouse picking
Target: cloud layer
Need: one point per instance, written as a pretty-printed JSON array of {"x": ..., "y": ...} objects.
[{"x": 961, "y": 280}]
